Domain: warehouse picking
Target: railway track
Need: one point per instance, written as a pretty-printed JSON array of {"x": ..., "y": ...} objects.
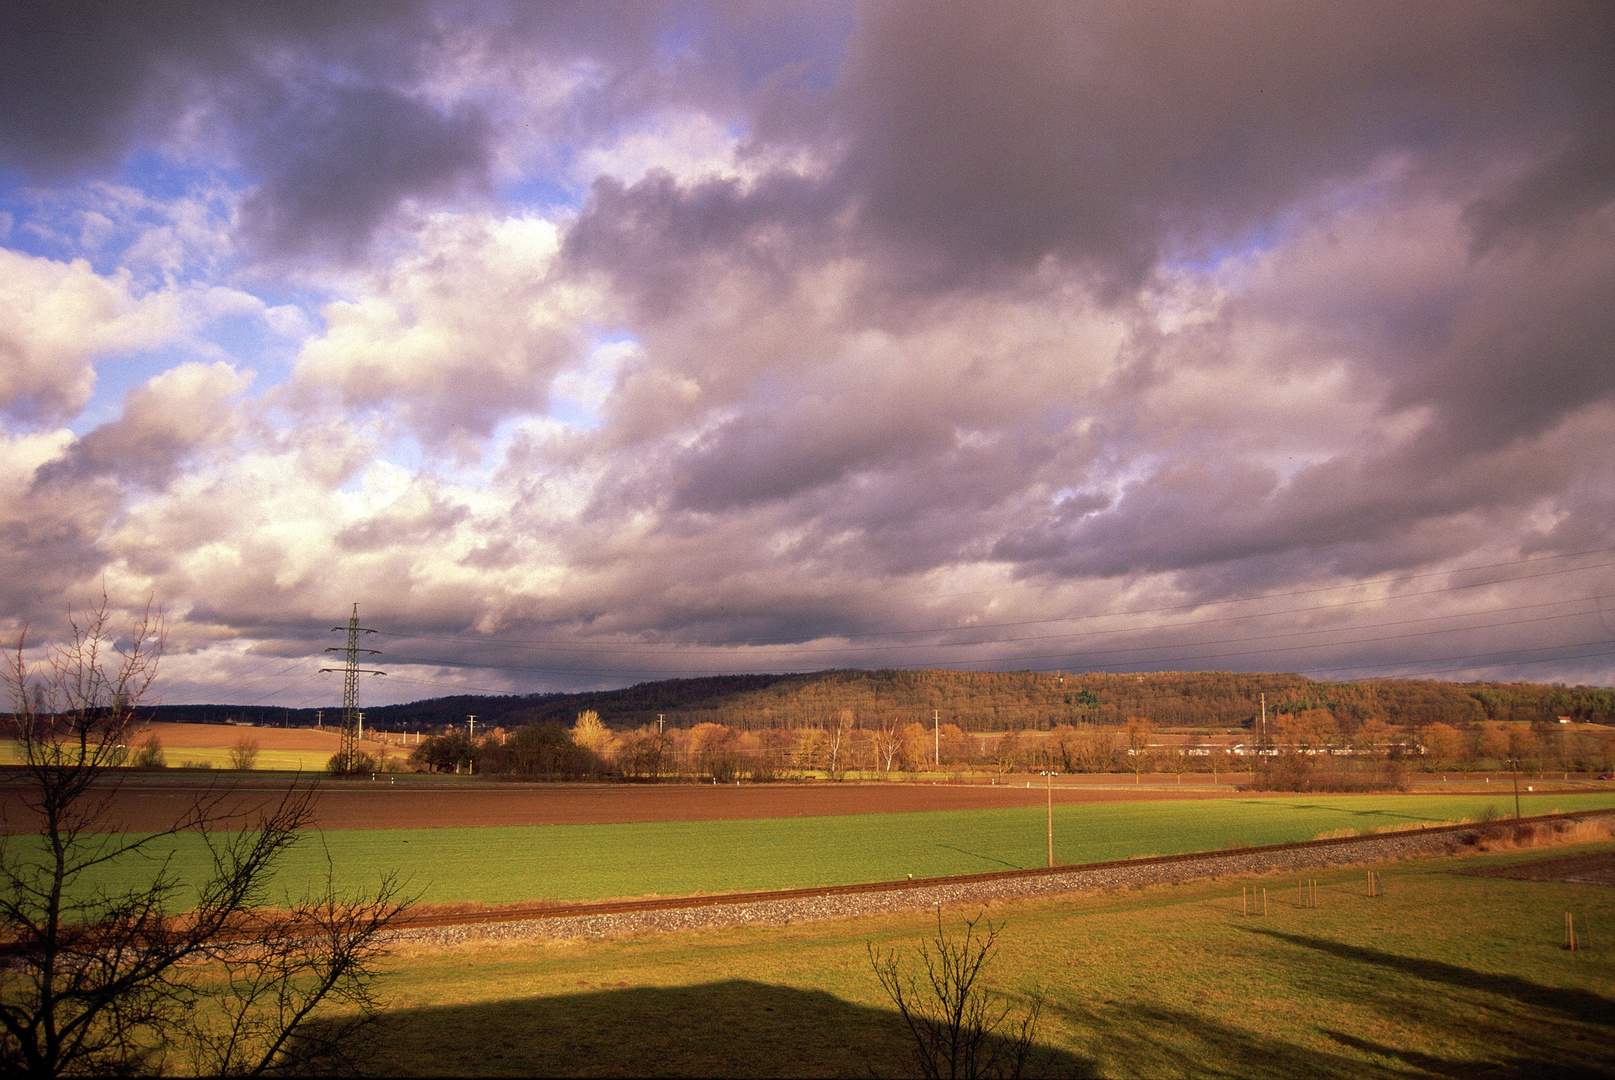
[{"x": 619, "y": 907}]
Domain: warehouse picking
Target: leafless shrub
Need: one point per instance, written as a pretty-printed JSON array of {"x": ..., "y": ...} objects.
[
  {"x": 149, "y": 754},
  {"x": 244, "y": 754},
  {"x": 960, "y": 1029}
]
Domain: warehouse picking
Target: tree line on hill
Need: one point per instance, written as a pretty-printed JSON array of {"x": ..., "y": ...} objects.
[
  {"x": 1288, "y": 752},
  {"x": 978, "y": 702}
]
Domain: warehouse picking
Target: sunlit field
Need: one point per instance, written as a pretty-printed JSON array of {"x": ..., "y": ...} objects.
[
  {"x": 513, "y": 864},
  {"x": 1441, "y": 975}
]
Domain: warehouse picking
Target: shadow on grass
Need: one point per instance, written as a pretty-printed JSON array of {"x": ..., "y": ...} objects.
[
  {"x": 1144, "y": 1039},
  {"x": 983, "y": 858},
  {"x": 731, "y": 1028},
  {"x": 1583, "y": 1005},
  {"x": 1520, "y": 1027},
  {"x": 1141, "y": 1039},
  {"x": 1356, "y": 812}
]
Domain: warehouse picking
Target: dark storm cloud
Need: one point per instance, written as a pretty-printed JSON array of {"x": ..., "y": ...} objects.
[
  {"x": 336, "y": 165},
  {"x": 993, "y": 134},
  {"x": 73, "y": 78},
  {"x": 335, "y": 145},
  {"x": 317, "y": 101},
  {"x": 769, "y": 455},
  {"x": 1534, "y": 341},
  {"x": 654, "y": 236},
  {"x": 83, "y": 80}
]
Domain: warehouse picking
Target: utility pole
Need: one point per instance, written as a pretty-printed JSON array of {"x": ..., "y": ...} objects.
[
  {"x": 1050, "y": 774},
  {"x": 1514, "y": 767},
  {"x": 936, "y": 736},
  {"x": 471, "y": 766},
  {"x": 1263, "y": 740},
  {"x": 352, "y": 719},
  {"x": 319, "y": 719}
]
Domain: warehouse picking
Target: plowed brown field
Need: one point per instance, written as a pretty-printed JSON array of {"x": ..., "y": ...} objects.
[
  {"x": 147, "y": 801},
  {"x": 223, "y": 736}
]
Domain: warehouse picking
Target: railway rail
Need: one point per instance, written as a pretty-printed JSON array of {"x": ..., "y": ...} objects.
[{"x": 619, "y": 907}]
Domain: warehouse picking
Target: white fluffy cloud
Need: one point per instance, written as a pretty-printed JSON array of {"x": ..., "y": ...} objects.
[
  {"x": 467, "y": 330},
  {"x": 57, "y": 319}
]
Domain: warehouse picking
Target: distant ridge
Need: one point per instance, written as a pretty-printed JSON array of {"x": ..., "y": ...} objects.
[{"x": 975, "y": 700}]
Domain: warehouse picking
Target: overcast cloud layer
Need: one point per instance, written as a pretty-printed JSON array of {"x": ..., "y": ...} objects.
[{"x": 580, "y": 346}]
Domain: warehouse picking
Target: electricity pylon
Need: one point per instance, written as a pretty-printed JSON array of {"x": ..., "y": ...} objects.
[{"x": 347, "y": 761}]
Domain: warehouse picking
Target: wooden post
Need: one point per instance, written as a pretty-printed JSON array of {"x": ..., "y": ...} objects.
[
  {"x": 1264, "y": 901},
  {"x": 1050, "y": 775},
  {"x": 1244, "y": 904}
]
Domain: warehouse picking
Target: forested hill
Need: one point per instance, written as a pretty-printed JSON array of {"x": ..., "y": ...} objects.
[{"x": 980, "y": 701}]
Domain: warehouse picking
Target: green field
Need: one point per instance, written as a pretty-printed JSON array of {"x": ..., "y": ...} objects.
[
  {"x": 1444, "y": 975},
  {"x": 591, "y": 862}
]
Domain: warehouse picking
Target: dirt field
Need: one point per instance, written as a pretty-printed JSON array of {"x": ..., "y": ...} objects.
[
  {"x": 224, "y": 736},
  {"x": 147, "y": 801}
]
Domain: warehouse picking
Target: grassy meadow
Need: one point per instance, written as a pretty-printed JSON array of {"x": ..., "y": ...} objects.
[
  {"x": 514, "y": 864},
  {"x": 1443, "y": 975}
]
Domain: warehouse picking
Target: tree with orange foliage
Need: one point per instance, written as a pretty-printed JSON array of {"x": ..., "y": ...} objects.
[{"x": 1139, "y": 732}]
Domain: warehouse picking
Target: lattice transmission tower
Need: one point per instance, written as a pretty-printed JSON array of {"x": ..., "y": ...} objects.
[{"x": 347, "y": 761}]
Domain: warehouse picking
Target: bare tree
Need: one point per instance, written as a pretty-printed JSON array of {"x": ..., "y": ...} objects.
[
  {"x": 956, "y": 1024},
  {"x": 154, "y": 971},
  {"x": 835, "y": 738},
  {"x": 888, "y": 743},
  {"x": 1139, "y": 734},
  {"x": 1096, "y": 748},
  {"x": 1177, "y": 759}
]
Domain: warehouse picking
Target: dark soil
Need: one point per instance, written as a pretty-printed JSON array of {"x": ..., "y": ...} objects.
[{"x": 1597, "y": 868}]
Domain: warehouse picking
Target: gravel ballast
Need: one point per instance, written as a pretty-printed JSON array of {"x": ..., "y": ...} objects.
[{"x": 1384, "y": 848}]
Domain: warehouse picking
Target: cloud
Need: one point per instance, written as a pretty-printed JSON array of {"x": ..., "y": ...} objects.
[
  {"x": 992, "y": 135},
  {"x": 336, "y": 167},
  {"x": 334, "y": 156},
  {"x": 731, "y": 338},
  {"x": 184, "y": 409},
  {"x": 470, "y": 329},
  {"x": 56, "y": 319}
]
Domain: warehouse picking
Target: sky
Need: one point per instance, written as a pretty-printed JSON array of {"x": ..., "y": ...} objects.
[{"x": 580, "y": 345}]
